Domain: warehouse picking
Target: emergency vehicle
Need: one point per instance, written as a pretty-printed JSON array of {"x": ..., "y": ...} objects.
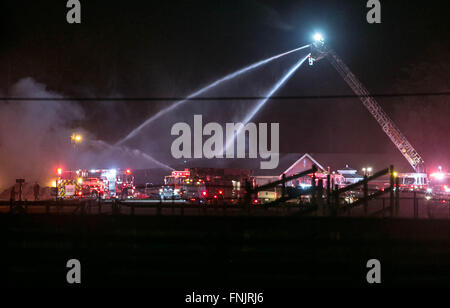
[
  {"x": 439, "y": 185},
  {"x": 119, "y": 183},
  {"x": 210, "y": 185},
  {"x": 180, "y": 185},
  {"x": 94, "y": 183},
  {"x": 68, "y": 184},
  {"x": 414, "y": 181}
]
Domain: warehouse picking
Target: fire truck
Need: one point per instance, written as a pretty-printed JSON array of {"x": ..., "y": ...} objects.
[
  {"x": 180, "y": 185},
  {"x": 95, "y": 183},
  {"x": 119, "y": 183},
  {"x": 68, "y": 184},
  {"x": 439, "y": 186},
  {"x": 415, "y": 181},
  {"x": 209, "y": 185}
]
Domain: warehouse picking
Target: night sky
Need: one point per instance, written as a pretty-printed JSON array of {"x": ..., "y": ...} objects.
[{"x": 128, "y": 49}]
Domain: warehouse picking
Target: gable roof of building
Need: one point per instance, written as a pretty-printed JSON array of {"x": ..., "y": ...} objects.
[{"x": 306, "y": 155}]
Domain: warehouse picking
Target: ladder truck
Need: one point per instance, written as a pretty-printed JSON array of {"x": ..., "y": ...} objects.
[{"x": 319, "y": 51}]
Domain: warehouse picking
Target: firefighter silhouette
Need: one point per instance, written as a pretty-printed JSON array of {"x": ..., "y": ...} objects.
[
  {"x": 36, "y": 190},
  {"x": 12, "y": 194}
]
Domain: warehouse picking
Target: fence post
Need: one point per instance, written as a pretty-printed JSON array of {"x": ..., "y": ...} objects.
[
  {"x": 391, "y": 193},
  {"x": 397, "y": 196},
  {"x": 158, "y": 208},
  {"x": 336, "y": 200},
  {"x": 366, "y": 194},
  {"x": 416, "y": 209},
  {"x": 82, "y": 207},
  {"x": 313, "y": 189},
  {"x": 328, "y": 189},
  {"x": 283, "y": 187},
  {"x": 248, "y": 193},
  {"x": 99, "y": 203},
  {"x": 320, "y": 196}
]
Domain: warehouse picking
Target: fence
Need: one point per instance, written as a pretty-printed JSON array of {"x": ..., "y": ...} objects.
[{"x": 320, "y": 201}]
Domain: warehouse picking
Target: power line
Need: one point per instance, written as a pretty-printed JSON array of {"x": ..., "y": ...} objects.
[{"x": 224, "y": 98}]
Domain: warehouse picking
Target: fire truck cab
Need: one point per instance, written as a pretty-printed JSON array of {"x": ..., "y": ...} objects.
[
  {"x": 180, "y": 185},
  {"x": 95, "y": 187}
]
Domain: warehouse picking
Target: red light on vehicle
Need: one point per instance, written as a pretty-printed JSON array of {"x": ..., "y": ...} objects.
[
  {"x": 79, "y": 193},
  {"x": 204, "y": 193},
  {"x": 255, "y": 201},
  {"x": 220, "y": 192},
  {"x": 444, "y": 201},
  {"x": 134, "y": 187},
  {"x": 128, "y": 171},
  {"x": 215, "y": 196},
  {"x": 124, "y": 185}
]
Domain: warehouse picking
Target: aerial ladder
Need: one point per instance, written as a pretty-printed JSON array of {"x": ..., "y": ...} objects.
[{"x": 318, "y": 51}]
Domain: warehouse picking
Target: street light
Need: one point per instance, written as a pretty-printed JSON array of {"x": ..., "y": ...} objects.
[
  {"x": 76, "y": 138},
  {"x": 367, "y": 170}
]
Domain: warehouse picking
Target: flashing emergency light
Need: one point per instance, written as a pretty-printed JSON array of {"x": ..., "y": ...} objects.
[
  {"x": 128, "y": 171},
  {"x": 80, "y": 180},
  {"x": 395, "y": 174},
  {"x": 220, "y": 192},
  {"x": 204, "y": 193},
  {"x": 59, "y": 171}
]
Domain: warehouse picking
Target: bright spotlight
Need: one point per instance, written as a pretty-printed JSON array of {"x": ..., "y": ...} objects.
[
  {"x": 76, "y": 138},
  {"x": 318, "y": 37}
]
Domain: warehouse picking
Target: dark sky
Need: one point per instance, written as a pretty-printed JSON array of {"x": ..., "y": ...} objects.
[{"x": 172, "y": 48}]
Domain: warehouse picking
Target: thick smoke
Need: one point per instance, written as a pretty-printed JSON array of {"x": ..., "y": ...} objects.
[
  {"x": 35, "y": 138},
  {"x": 34, "y": 134}
]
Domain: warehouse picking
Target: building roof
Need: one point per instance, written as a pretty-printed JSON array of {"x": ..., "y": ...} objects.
[
  {"x": 352, "y": 176},
  {"x": 347, "y": 168},
  {"x": 306, "y": 155}
]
